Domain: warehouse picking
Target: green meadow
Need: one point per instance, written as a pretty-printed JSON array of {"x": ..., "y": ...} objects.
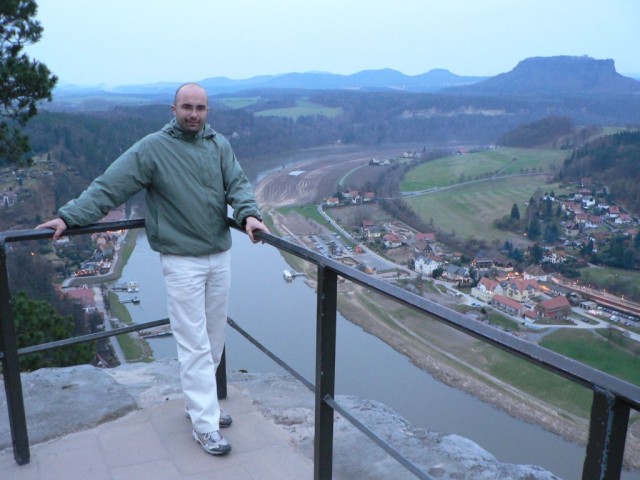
[
  {"x": 239, "y": 102},
  {"x": 468, "y": 199},
  {"x": 447, "y": 171},
  {"x": 303, "y": 108},
  {"x": 470, "y": 209}
]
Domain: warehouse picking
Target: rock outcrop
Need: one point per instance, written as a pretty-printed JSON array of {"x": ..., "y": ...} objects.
[{"x": 64, "y": 400}]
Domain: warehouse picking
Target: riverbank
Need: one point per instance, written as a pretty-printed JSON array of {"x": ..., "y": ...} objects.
[{"x": 134, "y": 348}]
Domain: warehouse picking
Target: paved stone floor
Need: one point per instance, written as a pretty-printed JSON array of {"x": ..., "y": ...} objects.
[{"x": 156, "y": 443}]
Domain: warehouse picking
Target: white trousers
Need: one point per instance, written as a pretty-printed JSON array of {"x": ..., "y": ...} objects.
[{"x": 197, "y": 303}]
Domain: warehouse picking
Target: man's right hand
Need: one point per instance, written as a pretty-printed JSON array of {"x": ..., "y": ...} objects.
[{"x": 56, "y": 224}]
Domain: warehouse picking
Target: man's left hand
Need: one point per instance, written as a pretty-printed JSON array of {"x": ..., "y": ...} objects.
[{"x": 252, "y": 225}]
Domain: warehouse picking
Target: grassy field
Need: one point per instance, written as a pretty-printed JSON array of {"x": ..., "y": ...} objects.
[
  {"x": 308, "y": 211},
  {"x": 504, "y": 161},
  {"x": 239, "y": 102},
  {"x": 538, "y": 382},
  {"x": 612, "y": 279},
  {"x": 303, "y": 108},
  {"x": 470, "y": 209},
  {"x": 612, "y": 357}
]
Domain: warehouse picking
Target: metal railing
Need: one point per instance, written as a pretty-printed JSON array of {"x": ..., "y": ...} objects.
[{"x": 613, "y": 398}]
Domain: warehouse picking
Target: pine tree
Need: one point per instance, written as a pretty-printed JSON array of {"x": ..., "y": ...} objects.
[
  {"x": 23, "y": 82},
  {"x": 515, "y": 212}
]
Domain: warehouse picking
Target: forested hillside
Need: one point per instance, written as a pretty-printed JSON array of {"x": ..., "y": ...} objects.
[
  {"x": 614, "y": 161},
  {"x": 83, "y": 144},
  {"x": 548, "y": 132}
]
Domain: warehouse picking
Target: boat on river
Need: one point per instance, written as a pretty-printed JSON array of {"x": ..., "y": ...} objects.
[
  {"x": 130, "y": 287},
  {"x": 289, "y": 276}
]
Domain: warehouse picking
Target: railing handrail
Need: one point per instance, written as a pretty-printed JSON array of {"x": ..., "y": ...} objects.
[{"x": 613, "y": 397}]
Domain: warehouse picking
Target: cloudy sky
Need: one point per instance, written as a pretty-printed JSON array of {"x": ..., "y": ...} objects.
[{"x": 116, "y": 42}]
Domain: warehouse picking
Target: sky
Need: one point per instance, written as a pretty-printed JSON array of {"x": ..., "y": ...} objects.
[{"x": 125, "y": 42}]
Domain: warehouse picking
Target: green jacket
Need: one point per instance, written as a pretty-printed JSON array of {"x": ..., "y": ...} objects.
[{"x": 189, "y": 181}]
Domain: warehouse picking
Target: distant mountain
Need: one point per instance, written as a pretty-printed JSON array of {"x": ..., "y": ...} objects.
[
  {"x": 534, "y": 78},
  {"x": 560, "y": 75},
  {"x": 385, "y": 79},
  {"x": 367, "y": 80}
]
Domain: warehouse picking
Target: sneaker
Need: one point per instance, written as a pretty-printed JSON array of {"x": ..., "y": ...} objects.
[
  {"x": 225, "y": 418},
  {"x": 213, "y": 443}
]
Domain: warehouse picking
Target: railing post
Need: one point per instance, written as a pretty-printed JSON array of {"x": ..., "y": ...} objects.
[
  {"x": 221, "y": 375},
  {"x": 11, "y": 368},
  {"x": 325, "y": 372},
  {"x": 607, "y": 437}
]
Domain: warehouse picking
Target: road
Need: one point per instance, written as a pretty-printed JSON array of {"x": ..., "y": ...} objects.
[{"x": 99, "y": 299}]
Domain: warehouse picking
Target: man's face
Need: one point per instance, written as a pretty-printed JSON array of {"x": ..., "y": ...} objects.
[{"x": 191, "y": 108}]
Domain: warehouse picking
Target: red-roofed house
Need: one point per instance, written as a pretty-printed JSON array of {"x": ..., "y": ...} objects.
[
  {"x": 391, "y": 240},
  {"x": 614, "y": 212},
  {"x": 368, "y": 197},
  {"x": 507, "y": 304},
  {"x": 486, "y": 289},
  {"x": 557, "y": 307},
  {"x": 83, "y": 296},
  {"x": 427, "y": 237},
  {"x": 521, "y": 289}
]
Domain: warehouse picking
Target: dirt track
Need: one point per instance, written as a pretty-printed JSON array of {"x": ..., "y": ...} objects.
[{"x": 312, "y": 180}]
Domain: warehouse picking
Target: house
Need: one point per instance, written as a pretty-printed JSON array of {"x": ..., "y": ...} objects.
[
  {"x": 332, "y": 202},
  {"x": 556, "y": 308},
  {"x": 571, "y": 207},
  {"x": 427, "y": 237},
  {"x": 84, "y": 297},
  {"x": 593, "y": 221},
  {"x": 368, "y": 197},
  {"x": 352, "y": 196},
  {"x": 455, "y": 273},
  {"x": 424, "y": 242},
  {"x": 391, "y": 240},
  {"x": 554, "y": 257},
  {"x": 425, "y": 265},
  {"x": 535, "y": 272},
  {"x": 503, "y": 264},
  {"x": 521, "y": 290},
  {"x": 482, "y": 262},
  {"x": 581, "y": 217},
  {"x": 614, "y": 212},
  {"x": 553, "y": 288},
  {"x": 486, "y": 289},
  {"x": 367, "y": 224},
  {"x": 623, "y": 219},
  {"x": 572, "y": 229},
  {"x": 588, "y": 202},
  {"x": 506, "y": 304}
]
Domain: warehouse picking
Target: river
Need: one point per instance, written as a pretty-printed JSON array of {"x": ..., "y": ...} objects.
[{"x": 281, "y": 315}]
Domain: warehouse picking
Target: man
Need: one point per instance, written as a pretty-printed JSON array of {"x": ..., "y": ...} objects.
[{"x": 190, "y": 174}]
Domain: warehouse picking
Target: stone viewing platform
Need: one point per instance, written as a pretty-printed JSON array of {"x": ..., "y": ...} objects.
[{"x": 128, "y": 422}]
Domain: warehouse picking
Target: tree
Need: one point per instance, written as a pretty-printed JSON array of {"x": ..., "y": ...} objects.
[
  {"x": 38, "y": 322},
  {"x": 536, "y": 253},
  {"x": 23, "y": 82},
  {"x": 515, "y": 212},
  {"x": 533, "y": 230}
]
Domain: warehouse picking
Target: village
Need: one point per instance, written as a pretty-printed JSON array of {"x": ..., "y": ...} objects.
[{"x": 537, "y": 295}]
